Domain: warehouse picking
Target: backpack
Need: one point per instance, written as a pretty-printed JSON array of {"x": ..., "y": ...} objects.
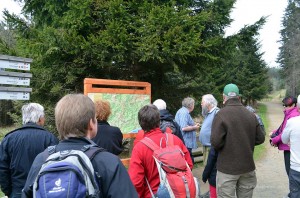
[
  {"x": 173, "y": 126},
  {"x": 176, "y": 177},
  {"x": 67, "y": 173}
]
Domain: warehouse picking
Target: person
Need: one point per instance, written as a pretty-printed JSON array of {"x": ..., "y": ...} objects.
[
  {"x": 108, "y": 137},
  {"x": 209, "y": 110},
  {"x": 291, "y": 136},
  {"x": 290, "y": 110},
  {"x": 75, "y": 120},
  {"x": 19, "y": 148},
  {"x": 210, "y": 172},
  {"x": 235, "y": 132},
  {"x": 142, "y": 164},
  {"x": 187, "y": 124},
  {"x": 251, "y": 109},
  {"x": 167, "y": 120}
]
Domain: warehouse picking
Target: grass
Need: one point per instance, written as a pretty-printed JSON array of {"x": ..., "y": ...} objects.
[{"x": 260, "y": 149}]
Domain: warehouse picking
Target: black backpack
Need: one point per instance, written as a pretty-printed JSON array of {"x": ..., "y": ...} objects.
[{"x": 172, "y": 124}]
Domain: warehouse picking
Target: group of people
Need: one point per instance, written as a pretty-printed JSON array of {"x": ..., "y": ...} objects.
[{"x": 228, "y": 136}]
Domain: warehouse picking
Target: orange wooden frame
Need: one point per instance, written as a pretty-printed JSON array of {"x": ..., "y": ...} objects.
[{"x": 92, "y": 85}]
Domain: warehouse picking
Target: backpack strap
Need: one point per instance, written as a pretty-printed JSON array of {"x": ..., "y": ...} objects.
[
  {"x": 153, "y": 146},
  {"x": 170, "y": 140},
  {"x": 150, "y": 144},
  {"x": 91, "y": 150}
]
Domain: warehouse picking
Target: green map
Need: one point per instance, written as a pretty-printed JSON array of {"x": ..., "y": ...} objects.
[{"x": 124, "y": 108}]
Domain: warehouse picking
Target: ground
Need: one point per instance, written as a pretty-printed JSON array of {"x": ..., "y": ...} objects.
[{"x": 272, "y": 180}]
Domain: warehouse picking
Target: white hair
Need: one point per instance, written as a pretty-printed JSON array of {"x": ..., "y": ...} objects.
[
  {"x": 210, "y": 99},
  {"x": 32, "y": 112},
  {"x": 160, "y": 104}
]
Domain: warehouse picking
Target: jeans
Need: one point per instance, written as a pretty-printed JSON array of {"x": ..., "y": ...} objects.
[
  {"x": 287, "y": 156},
  {"x": 231, "y": 186},
  {"x": 294, "y": 182}
]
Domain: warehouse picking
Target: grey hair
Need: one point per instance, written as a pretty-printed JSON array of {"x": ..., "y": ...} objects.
[
  {"x": 210, "y": 99},
  {"x": 188, "y": 102},
  {"x": 229, "y": 97},
  {"x": 160, "y": 104},
  {"x": 32, "y": 112}
]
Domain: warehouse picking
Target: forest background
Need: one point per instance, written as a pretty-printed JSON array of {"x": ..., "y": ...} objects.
[{"x": 179, "y": 47}]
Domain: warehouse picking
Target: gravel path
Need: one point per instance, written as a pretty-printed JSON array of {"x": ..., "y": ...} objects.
[{"x": 272, "y": 181}]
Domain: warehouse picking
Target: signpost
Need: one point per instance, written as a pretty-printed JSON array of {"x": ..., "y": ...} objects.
[{"x": 14, "y": 78}]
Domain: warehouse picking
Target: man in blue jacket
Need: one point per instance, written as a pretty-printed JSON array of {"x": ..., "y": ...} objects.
[
  {"x": 75, "y": 119},
  {"x": 19, "y": 148}
]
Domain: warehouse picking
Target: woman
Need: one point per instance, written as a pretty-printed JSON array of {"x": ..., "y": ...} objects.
[
  {"x": 108, "y": 137},
  {"x": 290, "y": 110}
]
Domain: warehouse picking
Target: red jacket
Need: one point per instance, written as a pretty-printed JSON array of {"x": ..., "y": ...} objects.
[{"x": 143, "y": 165}]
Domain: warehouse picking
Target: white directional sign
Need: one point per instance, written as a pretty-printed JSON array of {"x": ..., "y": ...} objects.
[
  {"x": 15, "y": 78},
  {"x": 8, "y": 77},
  {"x": 8, "y": 64},
  {"x": 13, "y": 62},
  {"x": 6, "y": 80},
  {"x": 5, "y": 95},
  {"x": 15, "y": 93}
]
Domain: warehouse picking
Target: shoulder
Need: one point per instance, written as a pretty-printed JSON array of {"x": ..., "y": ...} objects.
[{"x": 293, "y": 120}]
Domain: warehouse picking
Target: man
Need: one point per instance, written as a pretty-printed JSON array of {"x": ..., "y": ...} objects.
[
  {"x": 187, "y": 124},
  {"x": 75, "y": 119},
  {"x": 209, "y": 110},
  {"x": 235, "y": 132},
  {"x": 167, "y": 121},
  {"x": 291, "y": 136},
  {"x": 142, "y": 164},
  {"x": 19, "y": 148}
]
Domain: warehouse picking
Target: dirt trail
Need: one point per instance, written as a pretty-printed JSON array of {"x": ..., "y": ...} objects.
[{"x": 272, "y": 181}]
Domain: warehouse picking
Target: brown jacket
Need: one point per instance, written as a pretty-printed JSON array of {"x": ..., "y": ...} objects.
[{"x": 235, "y": 132}]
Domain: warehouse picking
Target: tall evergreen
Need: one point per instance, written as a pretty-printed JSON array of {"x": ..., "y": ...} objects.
[{"x": 289, "y": 57}]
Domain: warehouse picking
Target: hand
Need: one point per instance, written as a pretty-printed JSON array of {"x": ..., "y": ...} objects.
[
  {"x": 270, "y": 134},
  {"x": 272, "y": 144}
]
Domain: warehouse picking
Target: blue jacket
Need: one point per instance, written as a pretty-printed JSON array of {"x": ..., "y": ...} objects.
[
  {"x": 114, "y": 179},
  {"x": 17, "y": 152}
]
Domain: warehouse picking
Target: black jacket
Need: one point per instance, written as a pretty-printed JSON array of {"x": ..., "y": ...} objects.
[
  {"x": 210, "y": 170},
  {"x": 17, "y": 152},
  {"x": 165, "y": 116},
  {"x": 114, "y": 179},
  {"x": 109, "y": 138}
]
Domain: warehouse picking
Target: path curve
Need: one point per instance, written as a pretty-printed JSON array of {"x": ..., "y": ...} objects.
[{"x": 272, "y": 180}]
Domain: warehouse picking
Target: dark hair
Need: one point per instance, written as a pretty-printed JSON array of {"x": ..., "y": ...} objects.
[
  {"x": 149, "y": 117},
  {"x": 289, "y": 101}
]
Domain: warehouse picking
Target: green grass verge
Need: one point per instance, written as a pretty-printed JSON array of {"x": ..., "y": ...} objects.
[{"x": 260, "y": 149}]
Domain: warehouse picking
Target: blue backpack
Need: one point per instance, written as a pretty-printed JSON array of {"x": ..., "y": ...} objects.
[{"x": 68, "y": 174}]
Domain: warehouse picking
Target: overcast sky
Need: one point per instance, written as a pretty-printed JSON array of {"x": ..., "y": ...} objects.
[{"x": 246, "y": 12}]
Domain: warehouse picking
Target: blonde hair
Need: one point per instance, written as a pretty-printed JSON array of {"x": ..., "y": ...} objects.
[
  {"x": 103, "y": 110},
  {"x": 72, "y": 115}
]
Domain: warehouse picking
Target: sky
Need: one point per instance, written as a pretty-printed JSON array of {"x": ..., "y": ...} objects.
[{"x": 246, "y": 12}]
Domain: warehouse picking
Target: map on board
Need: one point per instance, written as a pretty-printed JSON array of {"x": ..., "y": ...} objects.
[{"x": 124, "y": 108}]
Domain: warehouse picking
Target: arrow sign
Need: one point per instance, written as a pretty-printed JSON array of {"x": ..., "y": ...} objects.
[{"x": 13, "y": 62}]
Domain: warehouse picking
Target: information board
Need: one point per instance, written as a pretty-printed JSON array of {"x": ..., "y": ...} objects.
[{"x": 125, "y": 98}]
